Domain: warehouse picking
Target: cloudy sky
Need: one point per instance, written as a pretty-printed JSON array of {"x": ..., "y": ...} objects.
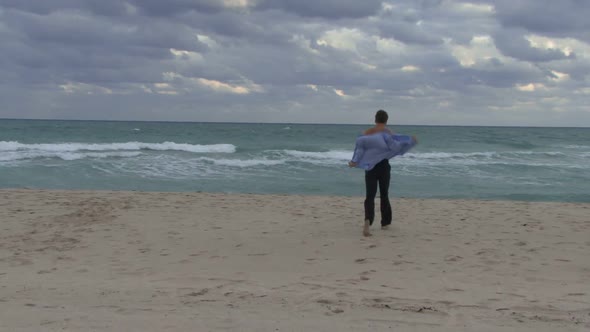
[{"x": 503, "y": 62}]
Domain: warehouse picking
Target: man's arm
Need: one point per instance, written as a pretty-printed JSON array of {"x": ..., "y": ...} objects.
[
  {"x": 401, "y": 143},
  {"x": 359, "y": 151}
]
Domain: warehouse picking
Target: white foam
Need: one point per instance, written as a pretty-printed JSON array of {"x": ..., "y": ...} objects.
[
  {"x": 450, "y": 155},
  {"x": 244, "y": 162},
  {"x": 127, "y": 146},
  {"x": 332, "y": 154},
  {"x": 98, "y": 155},
  {"x": 24, "y": 155},
  {"x": 479, "y": 155}
]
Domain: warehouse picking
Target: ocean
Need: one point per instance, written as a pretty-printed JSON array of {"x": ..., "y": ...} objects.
[{"x": 506, "y": 163}]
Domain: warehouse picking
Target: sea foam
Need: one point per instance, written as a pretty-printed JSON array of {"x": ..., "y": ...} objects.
[{"x": 127, "y": 146}]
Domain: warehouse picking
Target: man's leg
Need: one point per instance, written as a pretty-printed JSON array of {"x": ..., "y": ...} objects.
[
  {"x": 371, "y": 192},
  {"x": 384, "y": 178}
]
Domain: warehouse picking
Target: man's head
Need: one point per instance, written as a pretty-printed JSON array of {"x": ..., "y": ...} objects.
[{"x": 381, "y": 117}]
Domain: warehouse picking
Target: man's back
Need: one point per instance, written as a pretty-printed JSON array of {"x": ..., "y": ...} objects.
[
  {"x": 372, "y": 144},
  {"x": 371, "y": 149},
  {"x": 376, "y": 129}
]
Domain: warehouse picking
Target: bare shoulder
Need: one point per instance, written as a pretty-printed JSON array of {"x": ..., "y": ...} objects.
[{"x": 374, "y": 130}]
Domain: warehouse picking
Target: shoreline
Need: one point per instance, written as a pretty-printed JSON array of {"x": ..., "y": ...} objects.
[
  {"x": 162, "y": 261},
  {"x": 392, "y": 198}
]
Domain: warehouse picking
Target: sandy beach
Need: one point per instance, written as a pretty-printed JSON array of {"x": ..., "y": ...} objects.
[{"x": 136, "y": 261}]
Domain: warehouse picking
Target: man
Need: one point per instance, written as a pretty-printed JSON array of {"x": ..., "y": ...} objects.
[
  {"x": 381, "y": 118},
  {"x": 372, "y": 153}
]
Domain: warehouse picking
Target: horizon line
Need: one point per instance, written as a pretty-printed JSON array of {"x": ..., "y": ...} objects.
[{"x": 291, "y": 123}]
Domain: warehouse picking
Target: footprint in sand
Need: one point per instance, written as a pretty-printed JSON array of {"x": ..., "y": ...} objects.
[
  {"x": 329, "y": 303},
  {"x": 454, "y": 290},
  {"x": 199, "y": 293},
  {"x": 365, "y": 274},
  {"x": 452, "y": 258}
]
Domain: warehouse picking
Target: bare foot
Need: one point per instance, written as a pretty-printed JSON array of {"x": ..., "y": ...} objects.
[{"x": 366, "y": 231}]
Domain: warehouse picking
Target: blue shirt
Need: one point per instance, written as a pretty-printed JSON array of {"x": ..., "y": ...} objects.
[{"x": 369, "y": 150}]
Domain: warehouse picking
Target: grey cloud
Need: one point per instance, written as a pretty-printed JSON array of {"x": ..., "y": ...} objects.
[
  {"x": 117, "y": 8},
  {"x": 501, "y": 76},
  {"x": 235, "y": 28},
  {"x": 513, "y": 44},
  {"x": 177, "y": 7},
  {"x": 73, "y": 28},
  {"x": 107, "y": 8},
  {"x": 63, "y": 46},
  {"x": 222, "y": 23},
  {"x": 555, "y": 18},
  {"x": 578, "y": 71},
  {"x": 327, "y": 8},
  {"x": 408, "y": 33}
]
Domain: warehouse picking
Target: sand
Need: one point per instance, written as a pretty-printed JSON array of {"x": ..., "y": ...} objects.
[{"x": 134, "y": 261}]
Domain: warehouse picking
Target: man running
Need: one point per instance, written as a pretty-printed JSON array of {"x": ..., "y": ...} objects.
[{"x": 372, "y": 153}]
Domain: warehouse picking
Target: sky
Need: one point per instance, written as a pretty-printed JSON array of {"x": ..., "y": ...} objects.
[{"x": 426, "y": 62}]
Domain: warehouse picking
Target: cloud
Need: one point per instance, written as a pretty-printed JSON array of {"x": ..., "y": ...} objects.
[
  {"x": 409, "y": 33},
  {"x": 171, "y": 8},
  {"x": 530, "y": 87},
  {"x": 105, "y": 8},
  {"x": 428, "y": 61},
  {"x": 520, "y": 47},
  {"x": 410, "y": 68},
  {"x": 331, "y": 9},
  {"x": 555, "y": 18}
]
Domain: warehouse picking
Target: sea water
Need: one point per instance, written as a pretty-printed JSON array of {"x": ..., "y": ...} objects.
[{"x": 509, "y": 163}]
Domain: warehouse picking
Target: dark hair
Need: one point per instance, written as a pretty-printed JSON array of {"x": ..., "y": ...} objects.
[{"x": 381, "y": 116}]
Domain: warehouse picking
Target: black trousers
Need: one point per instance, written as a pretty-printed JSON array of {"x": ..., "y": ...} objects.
[{"x": 380, "y": 176}]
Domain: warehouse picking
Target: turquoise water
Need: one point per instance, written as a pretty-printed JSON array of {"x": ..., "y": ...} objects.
[{"x": 532, "y": 164}]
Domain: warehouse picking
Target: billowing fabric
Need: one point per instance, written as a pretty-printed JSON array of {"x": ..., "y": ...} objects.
[{"x": 371, "y": 149}]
